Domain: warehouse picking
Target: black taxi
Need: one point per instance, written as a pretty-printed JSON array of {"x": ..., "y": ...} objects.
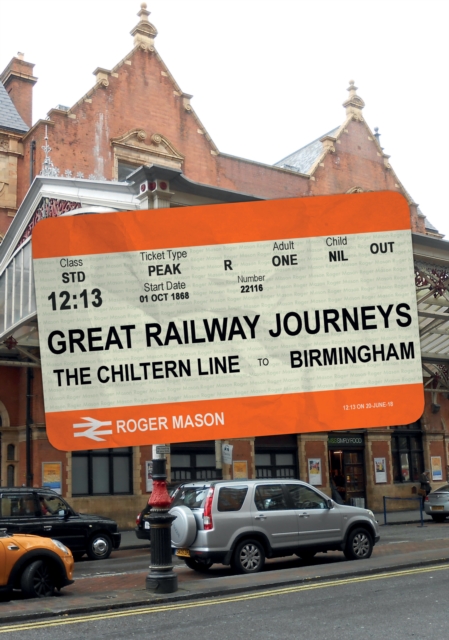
[{"x": 43, "y": 512}]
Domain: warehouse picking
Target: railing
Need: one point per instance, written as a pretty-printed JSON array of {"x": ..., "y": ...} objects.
[{"x": 385, "y": 498}]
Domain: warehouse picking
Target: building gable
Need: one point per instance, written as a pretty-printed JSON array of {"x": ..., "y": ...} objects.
[
  {"x": 349, "y": 159},
  {"x": 138, "y": 94}
]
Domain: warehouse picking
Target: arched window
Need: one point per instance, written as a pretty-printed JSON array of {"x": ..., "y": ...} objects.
[
  {"x": 10, "y": 452},
  {"x": 10, "y": 476}
]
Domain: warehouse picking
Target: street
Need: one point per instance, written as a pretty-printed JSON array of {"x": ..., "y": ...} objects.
[
  {"x": 115, "y": 589},
  {"x": 403, "y": 604},
  {"x": 394, "y": 540}
]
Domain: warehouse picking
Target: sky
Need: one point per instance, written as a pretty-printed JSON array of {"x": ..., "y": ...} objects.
[{"x": 267, "y": 77}]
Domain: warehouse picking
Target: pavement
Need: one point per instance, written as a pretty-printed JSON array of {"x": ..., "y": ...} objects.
[{"x": 105, "y": 592}]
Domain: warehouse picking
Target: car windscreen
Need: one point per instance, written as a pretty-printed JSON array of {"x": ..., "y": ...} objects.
[{"x": 191, "y": 497}]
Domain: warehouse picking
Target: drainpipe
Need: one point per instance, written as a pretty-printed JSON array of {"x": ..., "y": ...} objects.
[
  {"x": 32, "y": 155},
  {"x": 29, "y": 421}
]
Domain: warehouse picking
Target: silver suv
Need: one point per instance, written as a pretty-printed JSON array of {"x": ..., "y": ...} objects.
[{"x": 243, "y": 522}]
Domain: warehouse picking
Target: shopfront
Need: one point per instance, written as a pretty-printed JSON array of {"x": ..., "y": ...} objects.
[{"x": 347, "y": 466}]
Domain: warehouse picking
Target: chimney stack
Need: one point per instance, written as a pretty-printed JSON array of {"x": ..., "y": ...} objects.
[{"x": 18, "y": 80}]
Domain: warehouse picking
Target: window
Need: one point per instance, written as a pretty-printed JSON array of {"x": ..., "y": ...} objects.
[
  {"x": 103, "y": 471},
  {"x": 270, "y": 497},
  {"x": 52, "y": 505},
  {"x": 125, "y": 169},
  {"x": 189, "y": 497},
  {"x": 10, "y": 474},
  {"x": 15, "y": 506},
  {"x": 231, "y": 498},
  {"x": 407, "y": 454},
  {"x": 275, "y": 465},
  {"x": 10, "y": 452},
  {"x": 305, "y": 498},
  {"x": 194, "y": 465}
]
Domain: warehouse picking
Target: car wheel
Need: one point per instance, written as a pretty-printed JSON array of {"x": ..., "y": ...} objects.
[
  {"x": 306, "y": 556},
  {"x": 196, "y": 565},
  {"x": 249, "y": 557},
  {"x": 438, "y": 518},
  {"x": 99, "y": 547},
  {"x": 359, "y": 545},
  {"x": 37, "y": 580}
]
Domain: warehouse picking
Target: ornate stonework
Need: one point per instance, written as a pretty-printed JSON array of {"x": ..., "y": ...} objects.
[
  {"x": 355, "y": 190},
  {"x": 145, "y": 32},
  {"x": 328, "y": 143},
  {"x": 138, "y": 148},
  {"x": 354, "y": 104}
]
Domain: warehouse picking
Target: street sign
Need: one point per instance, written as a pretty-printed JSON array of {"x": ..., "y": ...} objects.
[
  {"x": 162, "y": 449},
  {"x": 226, "y": 452},
  {"x": 227, "y": 321}
]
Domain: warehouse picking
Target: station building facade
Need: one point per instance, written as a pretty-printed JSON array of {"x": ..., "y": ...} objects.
[{"x": 129, "y": 145}]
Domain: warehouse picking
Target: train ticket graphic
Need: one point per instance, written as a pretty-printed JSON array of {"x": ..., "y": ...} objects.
[{"x": 227, "y": 321}]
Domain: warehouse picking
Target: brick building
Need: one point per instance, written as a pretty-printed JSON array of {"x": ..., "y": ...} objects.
[{"x": 137, "y": 126}]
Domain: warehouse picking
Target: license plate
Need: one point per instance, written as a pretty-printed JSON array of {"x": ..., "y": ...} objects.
[
  {"x": 185, "y": 553},
  {"x": 437, "y": 508},
  {"x": 146, "y": 525}
]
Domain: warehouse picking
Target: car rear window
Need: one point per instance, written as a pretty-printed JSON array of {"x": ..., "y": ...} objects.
[
  {"x": 443, "y": 488},
  {"x": 192, "y": 497},
  {"x": 12, "y": 506},
  {"x": 231, "y": 498}
]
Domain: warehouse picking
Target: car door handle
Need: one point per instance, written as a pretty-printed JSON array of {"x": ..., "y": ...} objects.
[
  {"x": 47, "y": 527},
  {"x": 261, "y": 517},
  {"x": 12, "y": 547},
  {"x": 303, "y": 515}
]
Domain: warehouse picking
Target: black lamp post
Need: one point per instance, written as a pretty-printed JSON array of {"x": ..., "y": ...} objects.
[{"x": 161, "y": 578}]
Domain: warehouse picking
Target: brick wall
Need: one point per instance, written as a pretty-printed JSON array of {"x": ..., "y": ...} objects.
[
  {"x": 13, "y": 385},
  {"x": 356, "y": 162},
  {"x": 138, "y": 96},
  {"x": 244, "y": 450}
]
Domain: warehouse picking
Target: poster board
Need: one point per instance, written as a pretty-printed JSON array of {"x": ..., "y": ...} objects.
[
  {"x": 52, "y": 476},
  {"x": 228, "y": 321},
  {"x": 437, "y": 469},
  {"x": 314, "y": 467},
  {"x": 380, "y": 470},
  {"x": 240, "y": 470}
]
